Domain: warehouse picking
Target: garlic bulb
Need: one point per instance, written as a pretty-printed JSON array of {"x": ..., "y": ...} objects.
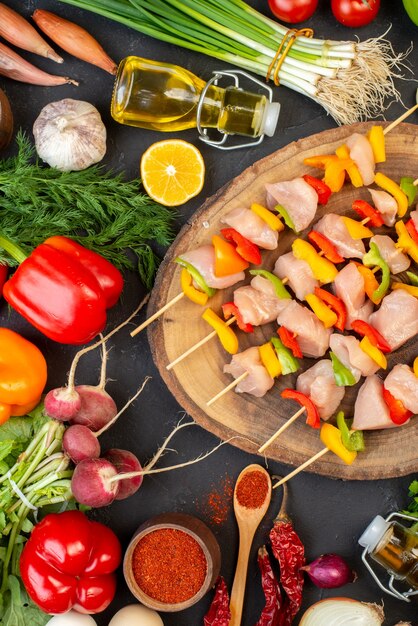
[{"x": 70, "y": 135}]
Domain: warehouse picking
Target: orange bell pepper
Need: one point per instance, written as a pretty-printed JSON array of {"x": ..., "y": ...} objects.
[
  {"x": 351, "y": 168},
  {"x": 23, "y": 374},
  {"x": 227, "y": 259},
  {"x": 371, "y": 284}
]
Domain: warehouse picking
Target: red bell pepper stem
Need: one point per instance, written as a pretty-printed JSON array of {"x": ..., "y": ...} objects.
[
  {"x": 290, "y": 341},
  {"x": 313, "y": 418},
  {"x": 364, "y": 209},
  {"x": 412, "y": 230},
  {"x": 321, "y": 188},
  {"x": 398, "y": 413},
  {"x": 11, "y": 248},
  {"x": 364, "y": 329},
  {"x": 228, "y": 309},
  {"x": 245, "y": 248},
  {"x": 336, "y": 304},
  {"x": 326, "y": 246}
]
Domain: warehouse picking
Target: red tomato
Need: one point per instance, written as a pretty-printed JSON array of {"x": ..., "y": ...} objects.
[
  {"x": 355, "y": 13},
  {"x": 293, "y": 11}
]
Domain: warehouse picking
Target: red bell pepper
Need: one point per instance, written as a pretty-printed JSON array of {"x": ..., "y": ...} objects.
[
  {"x": 4, "y": 270},
  {"x": 366, "y": 330},
  {"x": 63, "y": 289},
  {"x": 245, "y": 248},
  {"x": 68, "y": 563},
  {"x": 398, "y": 413},
  {"x": 364, "y": 209},
  {"x": 321, "y": 188},
  {"x": 328, "y": 249},
  {"x": 412, "y": 230},
  {"x": 313, "y": 418},
  {"x": 228, "y": 309},
  {"x": 290, "y": 341},
  {"x": 336, "y": 304}
]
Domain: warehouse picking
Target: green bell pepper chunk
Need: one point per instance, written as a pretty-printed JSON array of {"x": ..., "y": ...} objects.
[
  {"x": 279, "y": 288},
  {"x": 343, "y": 376},
  {"x": 407, "y": 185},
  {"x": 353, "y": 440},
  {"x": 288, "y": 362},
  {"x": 197, "y": 277},
  {"x": 411, "y": 7},
  {"x": 286, "y": 217},
  {"x": 413, "y": 278},
  {"x": 373, "y": 258}
]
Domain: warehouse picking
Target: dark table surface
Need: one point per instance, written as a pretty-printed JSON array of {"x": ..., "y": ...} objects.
[{"x": 329, "y": 515}]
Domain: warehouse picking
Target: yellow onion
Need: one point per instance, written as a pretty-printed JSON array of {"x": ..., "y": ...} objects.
[{"x": 343, "y": 612}]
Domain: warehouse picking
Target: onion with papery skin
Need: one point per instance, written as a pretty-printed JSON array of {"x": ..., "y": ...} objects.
[
  {"x": 330, "y": 571},
  {"x": 343, "y": 612}
]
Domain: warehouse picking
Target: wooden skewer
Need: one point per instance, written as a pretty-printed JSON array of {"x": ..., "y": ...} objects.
[
  {"x": 197, "y": 345},
  {"x": 281, "y": 429},
  {"x": 415, "y": 182},
  {"x": 228, "y": 388},
  {"x": 157, "y": 314},
  {"x": 401, "y": 118},
  {"x": 299, "y": 469}
]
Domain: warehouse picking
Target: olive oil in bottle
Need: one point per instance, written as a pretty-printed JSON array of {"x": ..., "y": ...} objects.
[{"x": 166, "y": 97}]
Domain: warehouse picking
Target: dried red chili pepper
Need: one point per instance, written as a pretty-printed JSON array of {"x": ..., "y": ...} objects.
[
  {"x": 290, "y": 553},
  {"x": 219, "y": 613},
  {"x": 272, "y": 613}
]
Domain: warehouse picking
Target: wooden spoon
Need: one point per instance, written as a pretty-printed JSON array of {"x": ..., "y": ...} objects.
[{"x": 248, "y": 521}]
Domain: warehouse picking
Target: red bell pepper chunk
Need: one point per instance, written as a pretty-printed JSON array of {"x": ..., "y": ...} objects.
[
  {"x": 245, "y": 248},
  {"x": 69, "y": 562},
  {"x": 336, "y": 304},
  {"x": 290, "y": 341},
  {"x": 228, "y": 309},
  {"x": 398, "y": 413},
  {"x": 366, "y": 330},
  {"x": 330, "y": 252},
  {"x": 313, "y": 418},
  {"x": 321, "y": 188},
  {"x": 364, "y": 209},
  {"x": 4, "y": 270},
  {"x": 412, "y": 230}
]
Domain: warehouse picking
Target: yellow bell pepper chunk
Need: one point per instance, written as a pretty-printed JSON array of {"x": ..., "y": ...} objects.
[
  {"x": 389, "y": 185},
  {"x": 226, "y": 335},
  {"x": 268, "y": 217},
  {"x": 373, "y": 352},
  {"x": 331, "y": 438},
  {"x": 351, "y": 168},
  {"x": 405, "y": 241},
  {"x": 409, "y": 288},
  {"x": 376, "y": 138},
  {"x": 269, "y": 359},
  {"x": 322, "y": 269},
  {"x": 356, "y": 229},
  {"x": 195, "y": 295},
  {"x": 371, "y": 284},
  {"x": 321, "y": 310},
  {"x": 415, "y": 366}
]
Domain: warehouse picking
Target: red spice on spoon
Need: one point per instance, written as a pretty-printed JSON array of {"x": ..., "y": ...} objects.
[{"x": 252, "y": 489}]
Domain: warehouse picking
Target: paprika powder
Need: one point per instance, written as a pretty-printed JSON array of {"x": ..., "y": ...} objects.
[{"x": 252, "y": 489}]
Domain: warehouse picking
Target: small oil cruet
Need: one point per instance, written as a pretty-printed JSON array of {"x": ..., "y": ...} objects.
[
  {"x": 394, "y": 546},
  {"x": 167, "y": 97}
]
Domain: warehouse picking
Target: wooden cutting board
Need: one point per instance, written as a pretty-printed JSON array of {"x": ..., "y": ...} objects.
[{"x": 248, "y": 420}]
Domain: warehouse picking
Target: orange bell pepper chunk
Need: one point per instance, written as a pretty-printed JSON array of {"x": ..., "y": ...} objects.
[{"x": 227, "y": 259}]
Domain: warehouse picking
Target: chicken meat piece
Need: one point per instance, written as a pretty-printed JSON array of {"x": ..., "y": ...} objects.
[
  {"x": 386, "y": 205},
  {"x": 318, "y": 383},
  {"x": 258, "y": 381},
  {"x": 402, "y": 383},
  {"x": 397, "y": 318},
  {"x": 362, "y": 154},
  {"x": 397, "y": 260},
  {"x": 347, "y": 349},
  {"x": 258, "y": 302},
  {"x": 203, "y": 259},
  {"x": 334, "y": 229},
  {"x": 252, "y": 227},
  {"x": 349, "y": 287},
  {"x": 298, "y": 198},
  {"x": 299, "y": 274},
  {"x": 370, "y": 409},
  {"x": 312, "y": 336}
]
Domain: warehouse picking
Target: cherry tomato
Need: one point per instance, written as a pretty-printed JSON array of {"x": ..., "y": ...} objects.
[
  {"x": 355, "y": 13},
  {"x": 293, "y": 11}
]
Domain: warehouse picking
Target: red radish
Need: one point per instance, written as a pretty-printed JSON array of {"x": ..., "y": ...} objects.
[
  {"x": 62, "y": 404},
  {"x": 80, "y": 443},
  {"x": 91, "y": 483},
  {"x": 125, "y": 461}
]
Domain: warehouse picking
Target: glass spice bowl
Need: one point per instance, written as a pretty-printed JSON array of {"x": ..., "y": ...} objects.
[{"x": 171, "y": 562}]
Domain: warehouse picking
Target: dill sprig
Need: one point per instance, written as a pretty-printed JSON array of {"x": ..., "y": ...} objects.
[{"x": 95, "y": 207}]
